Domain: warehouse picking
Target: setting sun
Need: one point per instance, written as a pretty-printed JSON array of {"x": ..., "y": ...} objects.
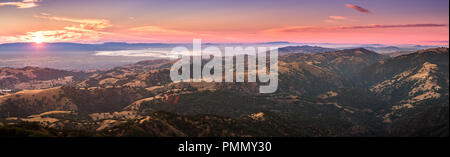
[{"x": 37, "y": 38}]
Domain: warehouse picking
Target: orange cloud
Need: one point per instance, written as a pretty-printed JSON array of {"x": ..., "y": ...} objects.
[
  {"x": 85, "y": 24},
  {"x": 337, "y": 17},
  {"x": 85, "y": 30},
  {"x": 23, "y": 4},
  {"x": 334, "y": 19},
  {"x": 357, "y": 8},
  {"x": 157, "y": 29}
]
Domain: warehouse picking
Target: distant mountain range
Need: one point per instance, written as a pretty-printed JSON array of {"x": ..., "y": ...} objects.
[
  {"x": 394, "y": 49},
  {"x": 286, "y": 46},
  {"x": 303, "y": 49},
  {"x": 81, "y": 47}
]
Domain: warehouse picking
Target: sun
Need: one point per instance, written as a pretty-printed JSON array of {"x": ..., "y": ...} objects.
[{"x": 38, "y": 38}]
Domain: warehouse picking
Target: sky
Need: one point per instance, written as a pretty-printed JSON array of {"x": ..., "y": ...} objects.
[{"x": 424, "y": 22}]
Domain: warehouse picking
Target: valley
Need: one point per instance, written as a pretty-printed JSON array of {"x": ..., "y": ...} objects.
[{"x": 325, "y": 92}]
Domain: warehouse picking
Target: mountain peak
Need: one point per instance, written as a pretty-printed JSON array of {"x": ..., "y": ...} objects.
[
  {"x": 304, "y": 49},
  {"x": 434, "y": 50},
  {"x": 357, "y": 51},
  {"x": 361, "y": 49}
]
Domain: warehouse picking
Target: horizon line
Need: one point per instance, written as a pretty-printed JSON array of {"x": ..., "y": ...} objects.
[{"x": 269, "y": 42}]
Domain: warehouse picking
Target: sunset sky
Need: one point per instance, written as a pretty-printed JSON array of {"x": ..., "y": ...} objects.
[{"x": 305, "y": 21}]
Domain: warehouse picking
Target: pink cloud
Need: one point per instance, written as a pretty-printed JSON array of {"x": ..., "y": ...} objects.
[
  {"x": 357, "y": 8},
  {"x": 393, "y": 26},
  {"x": 385, "y": 34},
  {"x": 292, "y": 29},
  {"x": 157, "y": 29}
]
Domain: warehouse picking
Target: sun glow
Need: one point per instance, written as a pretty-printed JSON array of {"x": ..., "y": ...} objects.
[{"x": 37, "y": 38}]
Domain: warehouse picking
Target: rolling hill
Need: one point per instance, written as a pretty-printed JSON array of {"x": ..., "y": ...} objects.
[{"x": 353, "y": 92}]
